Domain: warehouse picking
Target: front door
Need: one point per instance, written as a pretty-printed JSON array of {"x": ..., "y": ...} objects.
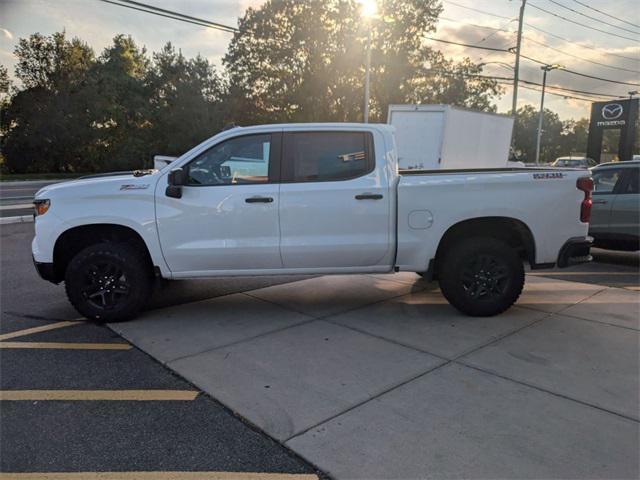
[
  {"x": 335, "y": 205},
  {"x": 604, "y": 194},
  {"x": 227, "y": 218},
  {"x": 625, "y": 212}
]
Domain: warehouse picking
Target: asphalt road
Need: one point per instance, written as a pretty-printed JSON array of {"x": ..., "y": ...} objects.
[
  {"x": 44, "y": 435},
  {"x": 16, "y": 197}
]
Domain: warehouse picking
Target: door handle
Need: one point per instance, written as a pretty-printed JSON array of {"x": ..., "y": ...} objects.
[
  {"x": 599, "y": 202},
  {"x": 258, "y": 200},
  {"x": 369, "y": 196}
]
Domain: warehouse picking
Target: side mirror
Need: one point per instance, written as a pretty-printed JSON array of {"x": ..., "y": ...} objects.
[{"x": 175, "y": 180}]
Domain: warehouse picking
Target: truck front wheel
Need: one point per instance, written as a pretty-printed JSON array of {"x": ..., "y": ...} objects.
[
  {"x": 481, "y": 277},
  {"x": 108, "y": 282}
]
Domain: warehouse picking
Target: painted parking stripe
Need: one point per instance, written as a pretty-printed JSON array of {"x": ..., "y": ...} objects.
[
  {"x": 569, "y": 274},
  {"x": 93, "y": 395},
  {"x": 43, "y": 328},
  {"x": 67, "y": 346},
  {"x": 157, "y": 476}
]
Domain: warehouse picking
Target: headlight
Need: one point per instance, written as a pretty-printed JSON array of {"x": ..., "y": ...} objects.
[{"x": 41, "y": 206}]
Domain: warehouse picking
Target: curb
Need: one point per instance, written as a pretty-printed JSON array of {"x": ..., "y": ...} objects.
[{"x": 18, "y": 219}]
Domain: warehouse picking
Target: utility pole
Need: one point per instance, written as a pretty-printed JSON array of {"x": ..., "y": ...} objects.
[
  {"x": 545, "y": 69},
  {"x": 367, "y": 76},
  {"x": 516, "y": 72},
  {"x": 632, "y": 93}
]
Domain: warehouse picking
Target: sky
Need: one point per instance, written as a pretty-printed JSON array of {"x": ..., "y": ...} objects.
[{"x": 97, "y": 23}]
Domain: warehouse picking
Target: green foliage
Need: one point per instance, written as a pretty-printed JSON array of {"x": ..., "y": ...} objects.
[
  {"x": 294, "y": 60},
  {"x": 79, "y": 113}
]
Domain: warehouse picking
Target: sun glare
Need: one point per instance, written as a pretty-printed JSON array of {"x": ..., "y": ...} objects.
[{"x": 369, "y": 8}]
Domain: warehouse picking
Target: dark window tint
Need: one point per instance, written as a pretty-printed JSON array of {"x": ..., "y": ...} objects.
[
  {"x": 605, "y": 180},
  {"x": 238, "y": 160},
  {"x": 632, "y": 184},
  {"x": 327, "y": 156}
]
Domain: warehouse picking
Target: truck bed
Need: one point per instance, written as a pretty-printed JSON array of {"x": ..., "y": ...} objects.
[{"x": 544, "y": 200}]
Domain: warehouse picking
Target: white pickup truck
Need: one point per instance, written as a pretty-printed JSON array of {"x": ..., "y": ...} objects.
[{"x": 307, "y": 199}]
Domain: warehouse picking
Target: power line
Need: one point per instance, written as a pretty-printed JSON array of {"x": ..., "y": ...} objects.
[
  {"x": 593, "y": 18},
  {"x": 527, "y": 82},
  {"x": 580, "y": 24},
  {"x": 468, "y": 45},
  {"x": 475, "y": 25},
  {"x": 161, "y": 12},
  {"x": 579, "y": 57},
  {"x": 604, "y": 13},
  {"x": 572, "y": 90},
  {"x": 563, "y": 69},
  {"x": 563, "y": 95},
  {"x": 548, "y": 46},
  {"x": 476, "y": 10},
  {"x": 582, "y": 46}
]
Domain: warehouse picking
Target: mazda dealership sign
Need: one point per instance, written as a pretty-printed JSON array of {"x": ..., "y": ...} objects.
[{"x": 616, "y": 114}]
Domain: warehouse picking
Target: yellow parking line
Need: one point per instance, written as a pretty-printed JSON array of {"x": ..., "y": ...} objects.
[
  {"x": 157, "y": 476},
  {"x": 127, "y": 395},
  {"x": 67, "y": 346},
  {"x": 43, "y": 328},
  {"x": 551, "y": 273}
]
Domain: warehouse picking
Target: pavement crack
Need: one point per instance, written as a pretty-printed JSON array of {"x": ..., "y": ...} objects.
[
  {"x": 536, "y": 387},
  {"x": 374, "y": 397}
]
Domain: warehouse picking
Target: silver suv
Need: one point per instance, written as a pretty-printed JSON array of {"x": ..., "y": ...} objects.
[{"x": 615, "y": 218}]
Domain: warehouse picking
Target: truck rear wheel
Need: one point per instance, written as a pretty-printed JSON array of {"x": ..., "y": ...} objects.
[
  {"x": 481, "y": 277},
  {"x": 108, "y": 282}
]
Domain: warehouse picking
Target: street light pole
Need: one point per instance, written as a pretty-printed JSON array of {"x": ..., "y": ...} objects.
[
  {"x": 367, "y": 76},
  {"x": 545, "y": 69},
  {"x": 516, "y": 72}
]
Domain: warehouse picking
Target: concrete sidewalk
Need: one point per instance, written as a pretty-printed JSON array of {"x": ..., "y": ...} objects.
[{"x": 378, "y": 377}]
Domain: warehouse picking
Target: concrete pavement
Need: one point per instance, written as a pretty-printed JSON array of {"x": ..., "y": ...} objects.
[{"x": 377, "y": 377}]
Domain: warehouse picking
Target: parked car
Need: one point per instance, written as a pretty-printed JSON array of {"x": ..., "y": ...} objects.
[
  {"x": 574, "y": 162},
  {"x": 307, "y": 199},
  {"x": 615, "y": 218}
]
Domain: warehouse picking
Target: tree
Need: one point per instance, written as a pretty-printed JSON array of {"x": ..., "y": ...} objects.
[
  {"x": 43, "y": 124},
  {"x": 185, "y": 101},
  {"x": 573, "y": 139},
  {"x": 294, "y": 60},
  {"x": 526, "y": 129},
  {"x": 117, "y": 97}
]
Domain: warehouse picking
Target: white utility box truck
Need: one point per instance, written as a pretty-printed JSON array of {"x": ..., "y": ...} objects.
[{"x": 442, "y": 137}]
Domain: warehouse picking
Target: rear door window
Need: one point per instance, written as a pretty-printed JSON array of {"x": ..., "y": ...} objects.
[
  {"x": 605, "y": 180},
  {"x": 327, "y": 156}
]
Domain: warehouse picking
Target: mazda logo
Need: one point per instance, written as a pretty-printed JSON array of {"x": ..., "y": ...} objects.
[{"x": 612, "y": 111}]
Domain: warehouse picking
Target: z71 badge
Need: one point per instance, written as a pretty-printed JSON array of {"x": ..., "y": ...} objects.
[
  {"x": 547, "y": 175},
  {"x": 133, "y": 186}
]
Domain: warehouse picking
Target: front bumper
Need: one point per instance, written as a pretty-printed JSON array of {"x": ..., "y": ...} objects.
[
  {"x": 46, "y": 271},
  {"x": 574, "y": 251}
]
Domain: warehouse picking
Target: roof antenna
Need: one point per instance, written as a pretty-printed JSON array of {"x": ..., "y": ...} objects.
[{"x": 229, "y": 126}]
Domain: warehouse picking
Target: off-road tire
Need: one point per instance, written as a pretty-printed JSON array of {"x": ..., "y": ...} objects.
[
  {"x": 131, "y": 267},
  {"x": 480, "y": 294}
]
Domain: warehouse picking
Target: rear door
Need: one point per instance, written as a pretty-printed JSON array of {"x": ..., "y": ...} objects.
[{"x": 334, "y": 202}]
